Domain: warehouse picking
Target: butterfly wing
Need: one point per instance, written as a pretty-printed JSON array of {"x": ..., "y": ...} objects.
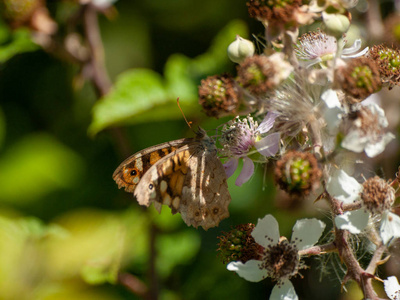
[
  {"x": 190, "y": 180},
  {"x": 131, "y": 170}
]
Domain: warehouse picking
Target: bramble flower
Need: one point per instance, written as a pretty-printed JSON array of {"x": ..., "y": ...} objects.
[
  {"x": 367, "y": 131},
  {"x": 318, "y": 47},
  {"x": 219, "y": 95},
  {"x": 246, "y": 139},
  {"x": 280, "y": 260},
  {"x": 260, "y": 74},
  {"x": 377, "y": 197},
  {"x": 392, "y": 288}
]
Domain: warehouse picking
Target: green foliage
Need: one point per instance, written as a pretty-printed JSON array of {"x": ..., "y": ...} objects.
[
  {"x": 35, "y": 166},
  {"x": 14, "y": 42},
  {"x": 2, "y": 127},
  {"x": 141, "y": 95}
]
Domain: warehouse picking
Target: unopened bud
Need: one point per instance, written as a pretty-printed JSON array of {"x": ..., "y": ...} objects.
[
  {"x": 240, "y": 49},
  {"x": 336, "y": 24}
]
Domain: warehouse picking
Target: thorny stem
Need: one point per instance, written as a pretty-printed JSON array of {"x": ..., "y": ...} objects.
[{"x": 354, "y": 270}]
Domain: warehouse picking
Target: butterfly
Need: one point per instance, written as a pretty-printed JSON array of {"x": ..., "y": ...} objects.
[{"x": 184, "y": 174}]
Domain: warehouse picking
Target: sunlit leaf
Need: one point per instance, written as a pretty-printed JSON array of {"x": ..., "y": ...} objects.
[
  {"x": 35, "y": 166},
  {"x": 135, "y": 92},
  {"x": 95, "y": 248},
  {"x": 23, "y": 255},
  {"x": 141, "y": 95}
]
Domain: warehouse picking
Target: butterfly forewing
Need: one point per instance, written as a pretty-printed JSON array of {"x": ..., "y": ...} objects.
[{"x": 131, "y": 170}]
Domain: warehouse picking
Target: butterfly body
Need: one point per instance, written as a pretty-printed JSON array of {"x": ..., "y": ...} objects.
[{"x": 185, "y": 175}]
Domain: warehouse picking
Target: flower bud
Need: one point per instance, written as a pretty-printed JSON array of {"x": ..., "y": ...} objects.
[
  {"x": 335, "y": 24},
  {"x": 219, "y": 95},
  {"x": 239, "y": 245},
  {"x": 297, "y": 173},
  {"x": 240, "y": 49},
  {"x": 359, "y": 78}
]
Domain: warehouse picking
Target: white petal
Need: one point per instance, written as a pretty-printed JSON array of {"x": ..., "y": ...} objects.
[
  {"x": 390, "y": 227},
  {"x": 354, "y": 141},
  {"x": 354, "y": 221},
  {"x": 333, "y": 112},
  {"x": 344, "y": 187},
  {"x": 251, "y": 270},
  {"x": 306, "y": 232},
  {"x": 392, "y": 288},
  {"x": 284, "y": 291},
  {"x": 269, "y": 145},
  {"x": 266, "y": 231},
  {"x": 355, "y": 47},
  {"x": 373, "y": 150}
]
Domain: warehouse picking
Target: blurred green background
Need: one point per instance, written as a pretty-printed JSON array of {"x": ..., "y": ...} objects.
[{"x": 66, "y": 230}]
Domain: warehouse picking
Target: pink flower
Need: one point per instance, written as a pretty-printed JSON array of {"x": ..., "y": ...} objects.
[{"x": 246, "y": 139}]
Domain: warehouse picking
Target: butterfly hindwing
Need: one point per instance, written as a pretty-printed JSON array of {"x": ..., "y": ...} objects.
[{"x": 192, "y": 181}]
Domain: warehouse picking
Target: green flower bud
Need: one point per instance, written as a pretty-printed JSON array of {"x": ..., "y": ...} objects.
[
  {"x": 240, "y": 49},
  {"x": 336, "y": 24}
]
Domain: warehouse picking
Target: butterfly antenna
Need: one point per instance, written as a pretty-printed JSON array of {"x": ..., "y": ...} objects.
[{"x": 189, "y": 123}]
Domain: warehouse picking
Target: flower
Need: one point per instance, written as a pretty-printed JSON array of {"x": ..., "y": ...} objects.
[
  {"x": 366, "y": 133},
  {"x": 245, "y": 139},
  {"x": 392, "y": 288},
  {"x": 377, "y": 198},
  {"x": 317, "y": 47},
  {"x": 281, "y": 259}
]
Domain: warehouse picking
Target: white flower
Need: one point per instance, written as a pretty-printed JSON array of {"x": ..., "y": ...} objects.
[
  {"x": 392, "y": 288},
  {"x": 347, "y": 190},
  {"x": 316, "y": 47},
  {"x": 305, "y": 234},
  {"x": 367, "y": 132}
]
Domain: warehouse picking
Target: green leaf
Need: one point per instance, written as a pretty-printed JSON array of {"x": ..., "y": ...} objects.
[
  {"x": 142, "y": 95},
  {"x": 15, "y": 42},
  {"x": 35, "y": 166},
  {"x": 136, "y": 91},
  {"x": 175, "y": 249},
  {"x": 2, "y": 127}
]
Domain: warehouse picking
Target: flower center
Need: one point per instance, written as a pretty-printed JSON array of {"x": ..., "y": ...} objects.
[
  {"x": 377, "y": 195},
  {"x": 281, "y": 260}
]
